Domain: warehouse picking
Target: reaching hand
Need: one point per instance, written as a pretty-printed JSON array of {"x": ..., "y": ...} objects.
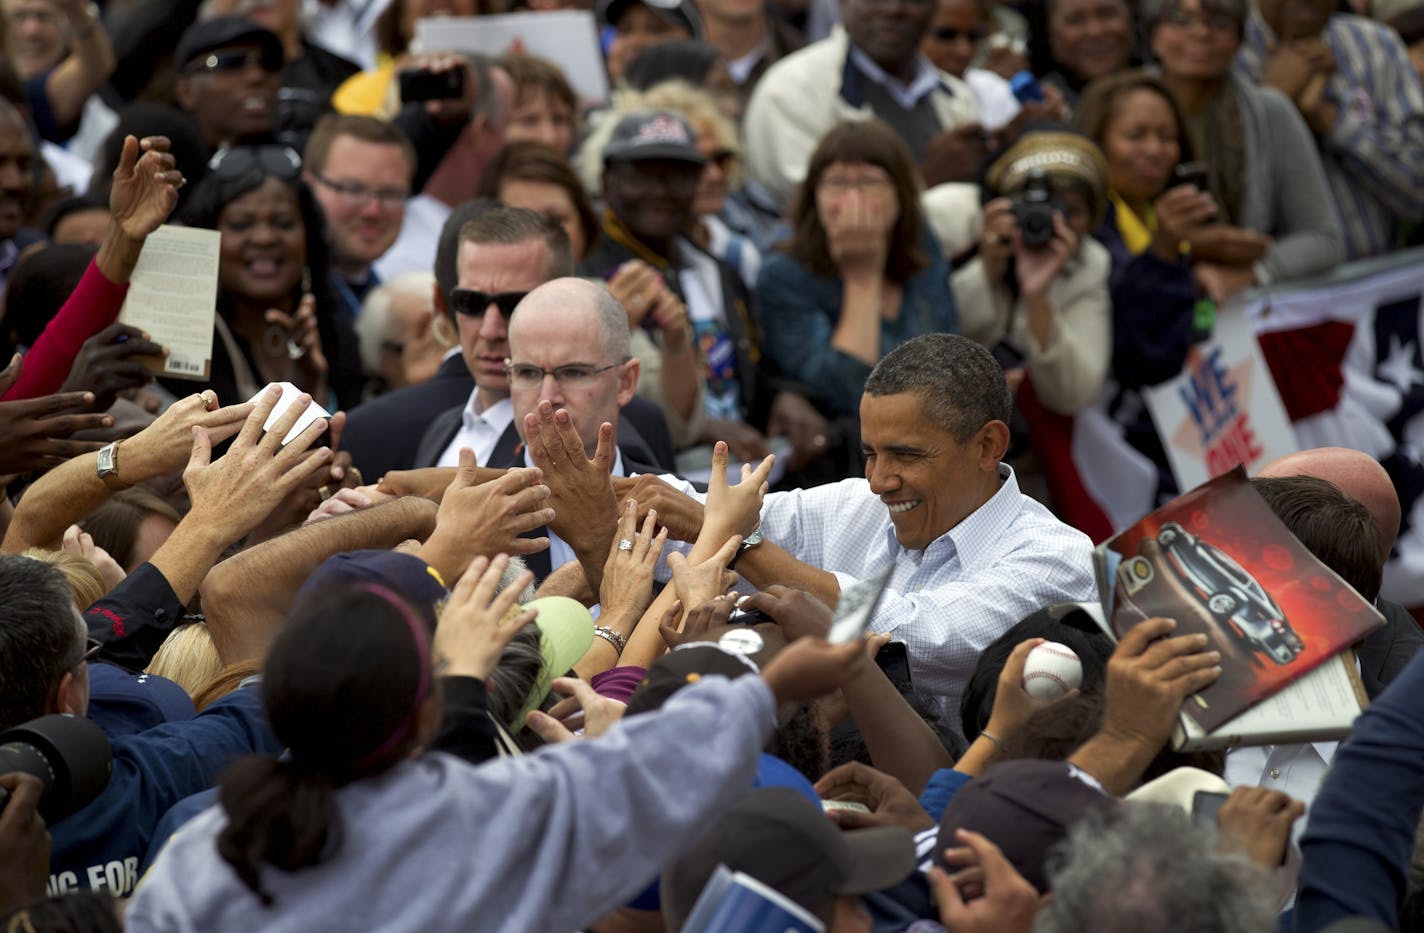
[
  {"x": 1149, "y": 677},
  {"x": 304, "y": 345},
  {"x": 1012, "y": 704},
  {"x": 734, "y": 510},
  {"x": 164, "y": 446},
  {"x": 889, "y": 801},
  {"x": 235, "y": 493},
  {"x": 427, "y": 483},
  {"x": 678, "y": 512},
  {"x": 627, "y": 586},
  {"x": 81, "y": 544},
  {"x": 347, "y": 500},
  {"x": 697, "y": 583},
  {"x": 1008, "y": 904},
  {"x": 477, "y": 622},
  {"x": 487, "y": 519},
  {"x": 34, "y": 432},
  {"x": 582, "y": 708},
  {"x": 699, "y": 621},
  {"x": 145, "y": 188},
  {"x": 809, "y": 668},
  {"x": 107, "y": 364},
  {"x": 797, "y": 612}
]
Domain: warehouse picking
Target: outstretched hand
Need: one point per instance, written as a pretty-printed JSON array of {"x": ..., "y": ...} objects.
[
  {"x": 479, "y": 622},
  {"x": 34, "y": 432},
  {"x": 734, "y": 509},
  {"x": 582, "y": 708},
  {"x": 985, "y": 893},
  {"x": 581, "y": 489},
  {"x": 485, "y": 519}
]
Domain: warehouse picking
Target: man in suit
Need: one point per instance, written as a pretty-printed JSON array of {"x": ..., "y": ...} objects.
[{"x": 418, "y": 426}]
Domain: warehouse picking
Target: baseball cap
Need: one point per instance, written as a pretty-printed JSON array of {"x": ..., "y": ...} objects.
[
  {"x": 565, "y": 635},
  {"x": 683, "y": 666},
  {"x": 681, "y": 13},
  {"x": 221, "y": 32},
  {"x": 406, "y": 575},
  {"x": 1025, "y": 808},
  {"x": 652, "y": 134},
  {"x": 784, "y": 840}
]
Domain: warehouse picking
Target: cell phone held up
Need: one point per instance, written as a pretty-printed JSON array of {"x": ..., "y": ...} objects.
[
  {"x": 420, "y": 84},
  {"x": 1196, "y": 174}
]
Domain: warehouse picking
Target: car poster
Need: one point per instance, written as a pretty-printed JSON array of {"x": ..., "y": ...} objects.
[{"x": 1219, "y": 562}]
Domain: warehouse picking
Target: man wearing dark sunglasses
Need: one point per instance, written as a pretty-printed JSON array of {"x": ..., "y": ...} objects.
[{"x": 228, "y": 73}]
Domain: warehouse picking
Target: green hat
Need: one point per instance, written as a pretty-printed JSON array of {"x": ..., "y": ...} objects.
[{"x": 565, "y": 635}]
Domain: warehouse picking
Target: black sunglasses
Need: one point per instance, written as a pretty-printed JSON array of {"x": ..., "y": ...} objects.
[
  {"x": 470, "y": 302},
  {"x": 235, "y": 161},
  {"x": 268, "y": 59}
]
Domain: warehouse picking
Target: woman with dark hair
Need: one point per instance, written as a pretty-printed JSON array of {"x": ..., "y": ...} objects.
[
  {"x": 530, "y": 174},
  {"x": 861, "y": 275},
  {"x": 277, "y": 319},
  {"x": 1073, "y": 42},
  {"x": 1275, "y": 219}
]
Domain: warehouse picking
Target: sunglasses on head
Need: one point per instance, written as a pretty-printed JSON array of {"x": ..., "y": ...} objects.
[
  {"x": 474, "y": 303},
  {"x": 236, "y": 161},
  {"x": 268, "y": 59}
]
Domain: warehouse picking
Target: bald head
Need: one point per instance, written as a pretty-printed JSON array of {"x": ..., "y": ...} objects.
[
  {"x": 568, "y": 345},
  {"x": 1356, "y": 474}
]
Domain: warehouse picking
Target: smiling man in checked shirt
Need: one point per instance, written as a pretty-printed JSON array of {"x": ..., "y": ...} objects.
[{"x": 972, "y": 554}]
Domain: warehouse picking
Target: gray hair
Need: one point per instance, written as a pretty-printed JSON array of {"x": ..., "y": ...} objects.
[
  {"x": 373, "y": 326},
  {"x": 1151, "y": 13},
  {"x": 960, "y": 383},
  {"x": 1148, "y": 867},
  {"x": 42, "y": 639}
]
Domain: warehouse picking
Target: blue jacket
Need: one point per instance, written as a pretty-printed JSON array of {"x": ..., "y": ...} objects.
[
  {"x": 99, "y": 847},
  {"x": 799, "y": 312}
]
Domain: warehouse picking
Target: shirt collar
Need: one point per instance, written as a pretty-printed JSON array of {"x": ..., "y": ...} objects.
[
  {"x": 925, "y": 81},
  {"x": 473, "y": 412},
  {"x": 976, "y": 533}
]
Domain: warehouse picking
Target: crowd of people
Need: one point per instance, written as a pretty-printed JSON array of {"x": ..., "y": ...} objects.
[{"x": 533, "y": 631}]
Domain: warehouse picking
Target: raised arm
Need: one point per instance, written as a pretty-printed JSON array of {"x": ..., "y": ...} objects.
[
  {"x": 145, "y": 192},
  {"x": 83, "y": 72},
  {"x": 246, "y": 596}
]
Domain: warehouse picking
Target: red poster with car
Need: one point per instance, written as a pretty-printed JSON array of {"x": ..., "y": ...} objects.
[{"x": 1219, "y": 562}]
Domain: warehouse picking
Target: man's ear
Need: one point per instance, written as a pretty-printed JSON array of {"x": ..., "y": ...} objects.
[
  {"x": 628, "y": 381},
  {"x": 993, "y": 444},
  {"x": 67, "y": 696}
]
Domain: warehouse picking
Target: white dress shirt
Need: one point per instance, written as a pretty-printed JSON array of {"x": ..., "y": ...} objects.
[
  {"x": 479, "y": 430},
  {"x": 948, "y": 602},
  {"x": 414, "y": 249}
]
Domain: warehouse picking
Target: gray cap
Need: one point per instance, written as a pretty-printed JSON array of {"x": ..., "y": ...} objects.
[{"x": 652, "y": 134}]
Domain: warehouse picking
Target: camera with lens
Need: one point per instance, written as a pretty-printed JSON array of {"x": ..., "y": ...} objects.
[
  {"x": 69, "y": 754},
  {"x": 1034, "y": 207}
]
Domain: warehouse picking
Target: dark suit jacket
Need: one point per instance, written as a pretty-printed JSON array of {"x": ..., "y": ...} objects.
[
  {"x": 1384, "y": 652},
  {"x": 382, "y": 434}
]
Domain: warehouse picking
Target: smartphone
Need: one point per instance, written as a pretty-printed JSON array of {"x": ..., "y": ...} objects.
[
  {"x": 420, "y": 85},
  {"x": 1196, "y": 174},
  {"x": 893, "y": 659},
  {"x": 1206, "y": 805}
]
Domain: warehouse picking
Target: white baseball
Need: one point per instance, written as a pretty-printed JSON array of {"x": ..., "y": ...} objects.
[{"x": 1052, "y": 670}]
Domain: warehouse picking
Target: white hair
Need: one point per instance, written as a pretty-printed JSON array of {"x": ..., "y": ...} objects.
[{"x": 373, "y": 326}]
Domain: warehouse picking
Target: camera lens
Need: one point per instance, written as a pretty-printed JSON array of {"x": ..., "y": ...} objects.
[{"x": 69, "y": 754}]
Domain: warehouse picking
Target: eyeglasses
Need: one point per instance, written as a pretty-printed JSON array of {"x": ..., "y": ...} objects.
[
  {"x": 236, "y": 161},
  {"x": 267, "y": 58},
  {"x": 359, "y": 195},
  {"x": 469, "y": 302},
  {"x": 92, "y": 646},
  {"x": 1216, "y": 22},
  {"x": 574, "y": 376},
  {"x": 723, "y": 158},
  {"x": 951, "y": 34}
]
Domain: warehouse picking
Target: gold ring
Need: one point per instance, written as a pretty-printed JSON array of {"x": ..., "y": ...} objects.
[
  {"x": 210, "y": 399},
  {"x": 324, "y": 492},
  {"x": 355, "y": 474},
  {"x": 819, "y": 440}
]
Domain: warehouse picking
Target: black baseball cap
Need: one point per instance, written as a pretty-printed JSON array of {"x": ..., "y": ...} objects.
[
  {"x": 1025, "y": 808},
  {"x": 221, "y": 32},
  {"x": 684, "y": 666},
  {"x": 682, "y": 13},
  {"x": 785, "y": 841},
  {"x": 652, "y": 134}
]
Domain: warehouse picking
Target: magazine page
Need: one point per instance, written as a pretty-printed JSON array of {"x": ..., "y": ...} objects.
[{"x": 1219, "y": 562}]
